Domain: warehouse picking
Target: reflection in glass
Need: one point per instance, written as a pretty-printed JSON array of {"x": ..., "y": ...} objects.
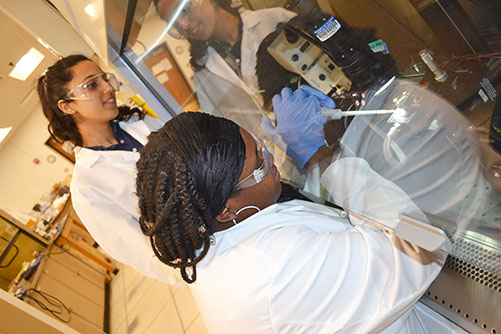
[
  {"x": 435, "y": 144},
  {"x": 428, "y": 149}
]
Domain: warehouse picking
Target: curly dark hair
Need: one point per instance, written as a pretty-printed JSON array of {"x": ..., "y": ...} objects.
[
  {"x": 51, "y": 88},
  {"x": 186, "y": 173}
]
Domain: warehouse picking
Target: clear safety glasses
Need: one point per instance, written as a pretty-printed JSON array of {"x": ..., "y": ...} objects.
[
  {"x": 262, "y": 171},
  {"x": 90, "y": 87},
  {"x": 181, "y": 11}
]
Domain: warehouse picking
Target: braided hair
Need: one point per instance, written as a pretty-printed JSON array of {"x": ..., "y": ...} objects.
[
  {"x": 185, "y": 175},
  {"x": 52, "y": 87}
]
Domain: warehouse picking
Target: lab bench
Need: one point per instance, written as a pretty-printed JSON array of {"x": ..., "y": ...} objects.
[
  {"x": 68, "y": 278},
  {"x": 17, "y": 245}
]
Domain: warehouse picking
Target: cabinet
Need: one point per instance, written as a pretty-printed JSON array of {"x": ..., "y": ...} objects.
[
  {"x": 78, "y": 285},
  {"x": 75, "y": 272},
  {"x": 78, "y": 240}
]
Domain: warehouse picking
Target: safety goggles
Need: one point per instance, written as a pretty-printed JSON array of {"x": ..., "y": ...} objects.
[
  {"x": 262, "y": 171},
  {"x": 182, "y": 9},
  {"x": 90, "y": 87}
]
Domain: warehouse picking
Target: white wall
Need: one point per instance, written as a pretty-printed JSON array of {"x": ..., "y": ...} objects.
[
  {"x": 37, "y": 17},
  {"x": 22, "y": 181}
]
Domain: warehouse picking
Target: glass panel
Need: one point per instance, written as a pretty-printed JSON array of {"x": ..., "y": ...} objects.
[
  {"x": 155, "y": 59},
  {"x": 426, "y": 73},
  {"x": 420, "y": 142}
]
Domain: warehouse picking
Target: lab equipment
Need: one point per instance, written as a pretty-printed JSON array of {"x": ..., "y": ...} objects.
[
  {"x": 495, "y": 127},
  {"x": 328, "y": 54},
  {"x": 440, "y": 74},
  {"x": 298, "y": 55},
  {"x": 334, "y": 114}
]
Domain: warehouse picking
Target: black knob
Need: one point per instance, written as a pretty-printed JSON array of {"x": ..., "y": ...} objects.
[{"x": 291, "y": 36}]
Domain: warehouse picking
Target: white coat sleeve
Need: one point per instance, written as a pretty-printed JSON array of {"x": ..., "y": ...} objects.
[
  {"x": 362, "y": 280},
  {"x": 117, "y": 231},
  {"x": 352, "y": 184}
]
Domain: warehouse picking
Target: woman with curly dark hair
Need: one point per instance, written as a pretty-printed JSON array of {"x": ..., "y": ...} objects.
[
  {"x": 224, "y": 41},
  {"x": 78, "y": 99},
  {"x": 208, "y": 194}
]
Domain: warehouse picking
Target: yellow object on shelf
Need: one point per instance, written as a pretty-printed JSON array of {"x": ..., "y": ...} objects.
[{"x": 139, "y": 101}]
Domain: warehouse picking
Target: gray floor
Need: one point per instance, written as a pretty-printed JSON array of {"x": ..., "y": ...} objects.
[{"x": 142, "y": 305}]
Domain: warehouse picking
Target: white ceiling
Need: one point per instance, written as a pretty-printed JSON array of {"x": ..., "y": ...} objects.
[{"x": 18, "y": 98}]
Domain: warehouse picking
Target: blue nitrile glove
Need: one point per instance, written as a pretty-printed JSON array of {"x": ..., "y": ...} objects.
[{"x": 299, "y": 129}]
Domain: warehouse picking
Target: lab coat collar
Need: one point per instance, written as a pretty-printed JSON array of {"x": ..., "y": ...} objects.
[
  {"x": 250, "y": 25},
  {"x": 137, "y": 129},
  {"x": 249, "y": 20},
  {"x": 216, "y": 63},
  {"x": 218, "y": 66},
  {"x": 87, "y": 157},
  {"x": 277, "y": 216}
]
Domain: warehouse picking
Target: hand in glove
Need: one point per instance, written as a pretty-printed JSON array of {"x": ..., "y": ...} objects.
[{"x": 299, "y": 130}]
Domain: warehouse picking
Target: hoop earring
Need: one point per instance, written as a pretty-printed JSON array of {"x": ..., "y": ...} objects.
[{"x": 245, "y": 208}]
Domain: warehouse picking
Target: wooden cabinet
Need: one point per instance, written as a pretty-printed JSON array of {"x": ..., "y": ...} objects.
[
  {"x": 77, "y": 240},
  {"x": 74, "y": 272},
  {"x": 78, "y": 285}
]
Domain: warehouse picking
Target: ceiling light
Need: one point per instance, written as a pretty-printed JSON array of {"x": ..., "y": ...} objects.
[
  {"x": 4, "y": 132},
  {"x": 27, "y": 64},
  {"x": 90, "y": 9}
]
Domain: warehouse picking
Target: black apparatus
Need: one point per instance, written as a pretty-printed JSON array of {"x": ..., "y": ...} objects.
[{"x": 349, "y": 51}]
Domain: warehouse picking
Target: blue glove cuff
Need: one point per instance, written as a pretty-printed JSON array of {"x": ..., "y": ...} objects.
[{"x": 303, "y": 159}]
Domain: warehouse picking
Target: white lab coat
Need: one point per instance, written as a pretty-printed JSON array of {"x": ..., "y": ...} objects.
[
  {"x": 298, "y": 267},
  {"x": 222, "y": 92},
  {"x": 103, "y": 195}
]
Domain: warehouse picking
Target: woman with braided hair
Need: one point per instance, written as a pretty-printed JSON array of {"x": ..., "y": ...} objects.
[{"x": 208, "y": 193}]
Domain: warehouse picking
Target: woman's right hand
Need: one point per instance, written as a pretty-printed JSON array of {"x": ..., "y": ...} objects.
[{"x": 299, "y": 122}]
